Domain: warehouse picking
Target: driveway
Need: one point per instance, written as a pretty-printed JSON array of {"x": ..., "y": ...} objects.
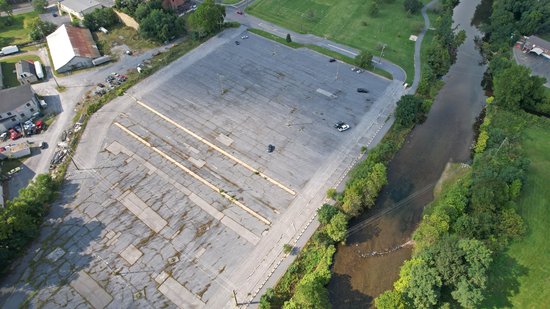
[{"x": 539, "y": 65}]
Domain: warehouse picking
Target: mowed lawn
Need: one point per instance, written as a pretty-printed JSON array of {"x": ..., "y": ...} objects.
[
  {"x": 16, "y": 33},
  {"x": 348, "y": 22},
  {"x": 521, "y": 276}
]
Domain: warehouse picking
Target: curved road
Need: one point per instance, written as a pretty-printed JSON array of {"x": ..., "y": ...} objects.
[
  {"x": 418, "y": 45},
  {"x": 253, "y": 22}
]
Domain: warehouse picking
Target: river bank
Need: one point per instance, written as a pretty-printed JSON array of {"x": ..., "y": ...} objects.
[{"x": 446, "y": 136}]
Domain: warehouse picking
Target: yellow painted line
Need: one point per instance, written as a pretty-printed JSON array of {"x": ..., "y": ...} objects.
[
  {"x": 197, "y": 177},
  {"x": 225, "y": 153}
]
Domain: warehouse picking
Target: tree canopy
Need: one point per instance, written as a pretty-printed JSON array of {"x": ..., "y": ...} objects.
[
  {"x": 39, "y": 29},
  {"x": 160, "y": 26},
  {"x": 514, "y": 87},
  {"x": 364, "y": 59},
  {"x": 104, "y": 17},
  {"x": 207, "y": 18}
]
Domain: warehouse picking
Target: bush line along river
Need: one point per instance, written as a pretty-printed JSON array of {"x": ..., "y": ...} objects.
[{"x": 360, "y": 273}]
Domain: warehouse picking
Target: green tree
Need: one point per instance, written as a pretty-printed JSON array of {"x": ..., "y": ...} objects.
[
  {"x": 39, "y": 5},
  {"x": 288, "y": 38},
  {"x": 337, "y": 227},
  {"x": 160, "y": 26},
  {"x": 391, "y": 299},
  {"x": 104, "y": 17},
  {"x": 514, "y": 87},
  {"x": 39, "y": 29},
  {"x": 310, "y": 293},
  {"x": 364, "y": 59},
  {"x": 5, "y": 7},
  {"x": 412, "y": 6},
  {"x": 325, "y": 213},
  {"x": 266, "y": 299},
  {"x": 408, "y": 111},
  {"x": 207, "y": 19},
  {"x": 424, "y": 286}
]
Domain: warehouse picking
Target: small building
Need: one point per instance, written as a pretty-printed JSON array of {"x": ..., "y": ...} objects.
[
  {"x": 15, "y": 151},
  {"x": 78, "y": 8},
  {"x": 17, "y": 105},
  {"x": 72, "y": 48},
  {"x": 534, "y": 44},
  {"x": 26, "y": 73},
  {"x": 173, "y": 4}
]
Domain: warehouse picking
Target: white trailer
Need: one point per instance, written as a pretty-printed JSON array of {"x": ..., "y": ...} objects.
[
  {"x": 9, "y": 50},
  {"x": 38, "y": 70}
]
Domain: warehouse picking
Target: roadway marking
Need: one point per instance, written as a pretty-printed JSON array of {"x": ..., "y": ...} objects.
[
  {"x": 194, "y": 175},
  {"x": 209, "y": 144},
  {"x": 342, "y": 49}
]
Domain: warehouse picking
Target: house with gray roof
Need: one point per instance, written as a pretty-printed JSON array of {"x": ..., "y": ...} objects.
[
  {"x": 25, "y": 71},
  {"x": 17, "y": 105}
]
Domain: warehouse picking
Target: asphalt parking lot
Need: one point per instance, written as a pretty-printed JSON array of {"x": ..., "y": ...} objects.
[
  {"x": 182, "y": 202},
  {"x": 539, "y": 65}
]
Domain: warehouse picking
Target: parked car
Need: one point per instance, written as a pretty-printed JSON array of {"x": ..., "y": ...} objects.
[
  {"x": 244, "y": 37},
  {"x": 332, "y": 60},
  {"x": 15, "y": 170},
  {"x": 341, "y": 126},
  {"x": 43, "y": 145},
  {"x": 240, "y": 12},
  {"x": 237, "y": 43},
  {"x": 270, "y": 148},
  {"x": 362, "y": 90}
]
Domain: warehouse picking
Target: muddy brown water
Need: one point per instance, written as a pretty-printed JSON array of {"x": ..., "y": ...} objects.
[{"x": 359, "y": 272}]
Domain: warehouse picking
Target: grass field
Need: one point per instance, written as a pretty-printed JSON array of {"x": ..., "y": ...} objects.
[
  {"x": 348, "y": 22},
  {"x": 8, "y": 68},
  {"x": 319, "y": 49},
  {"x": 521, "y": 275},
  {"x": 16, "y": 33}
]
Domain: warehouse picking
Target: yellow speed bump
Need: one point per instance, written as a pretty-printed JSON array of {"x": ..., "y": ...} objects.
[
  {"x": 225, "y": 153},
  {"x": 194, "y": 175}
]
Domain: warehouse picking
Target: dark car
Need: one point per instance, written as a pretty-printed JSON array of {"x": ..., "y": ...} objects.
[
  {"x": 362, "y": 90},
  {"x": 240, "y": 12},
  {"x": 332, "y": 60},
  {"x": 237, "y": 43},
  {"x": 270, "y": 148}
]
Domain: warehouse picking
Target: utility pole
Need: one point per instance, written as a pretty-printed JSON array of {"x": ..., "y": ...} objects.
[
  {"x": 381, "y": 54},
  {"x": 235, "y": 298}
]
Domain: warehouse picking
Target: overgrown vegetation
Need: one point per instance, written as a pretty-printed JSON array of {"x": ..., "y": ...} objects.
[
  {"x": 155, "y": 22},
  {"x": 441, "y": 51},
  {"x": 21, "y": 218},
  {"x": 104, "y": 17}
]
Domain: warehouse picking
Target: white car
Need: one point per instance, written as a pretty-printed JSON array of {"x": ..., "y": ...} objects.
[
  {"x": 244, "y": 37},
  {"x": 341, "y": 126}
]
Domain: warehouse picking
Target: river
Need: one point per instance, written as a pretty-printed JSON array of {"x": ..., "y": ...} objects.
[{"x": 360, "y": 272}]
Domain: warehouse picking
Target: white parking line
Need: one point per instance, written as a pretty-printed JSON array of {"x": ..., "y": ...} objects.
[
  {"x": 209, "y": 144},
  {"x": 194, "y": 175},
  {"x": 342, "y": 49}
]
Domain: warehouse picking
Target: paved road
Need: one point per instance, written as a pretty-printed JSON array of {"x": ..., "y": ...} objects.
[
  {"x": 418, "y": 45},
  {"x": 253, "y": 22},
  {"x": 64, "y": 106}
]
